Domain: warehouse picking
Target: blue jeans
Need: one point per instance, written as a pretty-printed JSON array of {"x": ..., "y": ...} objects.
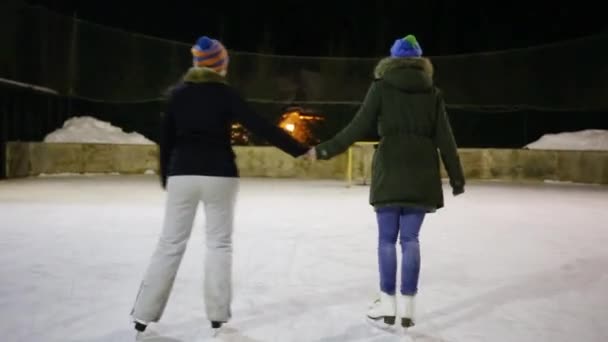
[{"x": 404, "y": 223}]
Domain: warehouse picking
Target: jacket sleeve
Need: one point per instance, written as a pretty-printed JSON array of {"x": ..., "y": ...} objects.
[
  {"x": 167, "y": 142},
  {"x": 275, "y": 135},
  {"x": 445, "y": 142},
  {"x": 363, "y": 123}
]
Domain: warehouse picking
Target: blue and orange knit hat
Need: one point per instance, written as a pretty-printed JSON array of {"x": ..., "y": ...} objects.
[
  {"x": 210, "y": 53},
  {"x": 406, "y": 47}
]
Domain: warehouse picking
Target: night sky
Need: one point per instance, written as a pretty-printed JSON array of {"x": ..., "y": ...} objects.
[{"x": 348, "y": 28}]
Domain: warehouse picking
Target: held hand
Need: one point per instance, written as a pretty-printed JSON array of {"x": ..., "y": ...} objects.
[{"x": 311, "y": 154}]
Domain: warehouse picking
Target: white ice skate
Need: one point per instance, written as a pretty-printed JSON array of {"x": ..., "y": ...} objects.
[
  {"x": 216, "y": 327},
  {"x": 383, "y": 308},
  {"x": 213, "y": 333},
  {"x": 143, "y": 331},
  {"x": 147, "y": 335},
  {"x": 407, "y": 310}
]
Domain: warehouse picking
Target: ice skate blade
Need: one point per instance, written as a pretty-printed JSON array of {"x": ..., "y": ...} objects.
[
  {"x": 389, "y": 320},
  {"x": 379, "y": 324}
]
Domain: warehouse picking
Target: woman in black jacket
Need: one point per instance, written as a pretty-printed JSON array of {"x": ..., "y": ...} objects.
[{"x": 197, "y": 164}]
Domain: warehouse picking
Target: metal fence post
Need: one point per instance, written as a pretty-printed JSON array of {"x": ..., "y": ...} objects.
[{"x": 3, "y": 137}]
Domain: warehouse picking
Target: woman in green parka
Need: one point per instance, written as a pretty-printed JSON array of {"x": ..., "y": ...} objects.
[{"x": 408, "y": 113}]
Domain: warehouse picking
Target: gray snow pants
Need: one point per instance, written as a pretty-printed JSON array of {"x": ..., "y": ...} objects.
[{"x": 184, "y": 193}]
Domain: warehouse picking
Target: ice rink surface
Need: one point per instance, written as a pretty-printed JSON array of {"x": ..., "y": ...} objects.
[{"x": 503, "y": 262}]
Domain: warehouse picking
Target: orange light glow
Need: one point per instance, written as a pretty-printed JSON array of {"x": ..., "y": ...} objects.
[
  {"x": 298, "y": 125},
  {"x": 295, "y": 121}
]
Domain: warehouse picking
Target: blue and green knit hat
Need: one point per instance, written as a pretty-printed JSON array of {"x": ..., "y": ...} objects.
[{"x": 406, "y": 47}]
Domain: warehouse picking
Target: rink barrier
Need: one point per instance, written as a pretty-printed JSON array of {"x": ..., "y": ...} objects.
[
  {"x": 588, "y": 167},
  {"x": 33, "y": 159},
  {"x": 354, "y": 166}
]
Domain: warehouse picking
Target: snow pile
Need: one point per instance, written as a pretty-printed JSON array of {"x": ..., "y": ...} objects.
[
  {"x": 86, "y": 129},
  {"x": 586, "y": 140}
]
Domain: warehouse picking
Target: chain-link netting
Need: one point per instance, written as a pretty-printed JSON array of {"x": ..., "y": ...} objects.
[
  {"x": 495, "y": 99},
  {"x": 106, "y": 64},
  {"x": 571, "y": 75}
]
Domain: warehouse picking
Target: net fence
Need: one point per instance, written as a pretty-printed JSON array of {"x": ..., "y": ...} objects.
[
  {"x": 105, "y": 64},
  {"x": 495, "y": 99}
]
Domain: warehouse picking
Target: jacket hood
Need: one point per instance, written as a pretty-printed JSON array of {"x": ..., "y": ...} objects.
[
  {"x": 203, "y": 75},
  {"x": 408, "y": 74}
]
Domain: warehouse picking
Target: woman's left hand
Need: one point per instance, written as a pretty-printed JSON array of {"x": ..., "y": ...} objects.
[{"x": 311, "y": 154}]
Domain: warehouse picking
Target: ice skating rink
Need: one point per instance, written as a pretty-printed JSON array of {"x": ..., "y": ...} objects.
[{"x": 503, "y": 262}]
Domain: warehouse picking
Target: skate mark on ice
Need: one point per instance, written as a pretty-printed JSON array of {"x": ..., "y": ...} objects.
[
  {"x": 230, "y": 334},
  {"x": 378, "y": 332},
  {"x": 576, "y": 275},
  {"x": 160, "y": 339}
]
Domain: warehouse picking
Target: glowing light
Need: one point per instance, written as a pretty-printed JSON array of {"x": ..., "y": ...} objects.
[{"x": 290, "y": 127}]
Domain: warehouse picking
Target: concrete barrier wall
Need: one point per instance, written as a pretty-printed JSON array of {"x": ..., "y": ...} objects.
[
  {"x": 574, "y": 166},
  {"x": 31, "y": 159},
  {"x": 265, "y": 161},
  {"x": 536, "y": 165},
  {"x": 589, "y": 167}
]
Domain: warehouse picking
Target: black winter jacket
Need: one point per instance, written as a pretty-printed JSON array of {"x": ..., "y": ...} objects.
[{"x": 196, "y": 129}]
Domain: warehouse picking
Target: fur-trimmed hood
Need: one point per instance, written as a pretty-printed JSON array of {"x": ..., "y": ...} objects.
[
  {"x": 202, "y": 75},
  {"x": 406, "y": 73}
]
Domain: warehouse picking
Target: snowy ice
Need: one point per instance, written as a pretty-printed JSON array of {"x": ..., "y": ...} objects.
[
  {"x": 503, "y": 262},
  {"x": 87, "y": 129},
  {"x": 585, "y": 140}
]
